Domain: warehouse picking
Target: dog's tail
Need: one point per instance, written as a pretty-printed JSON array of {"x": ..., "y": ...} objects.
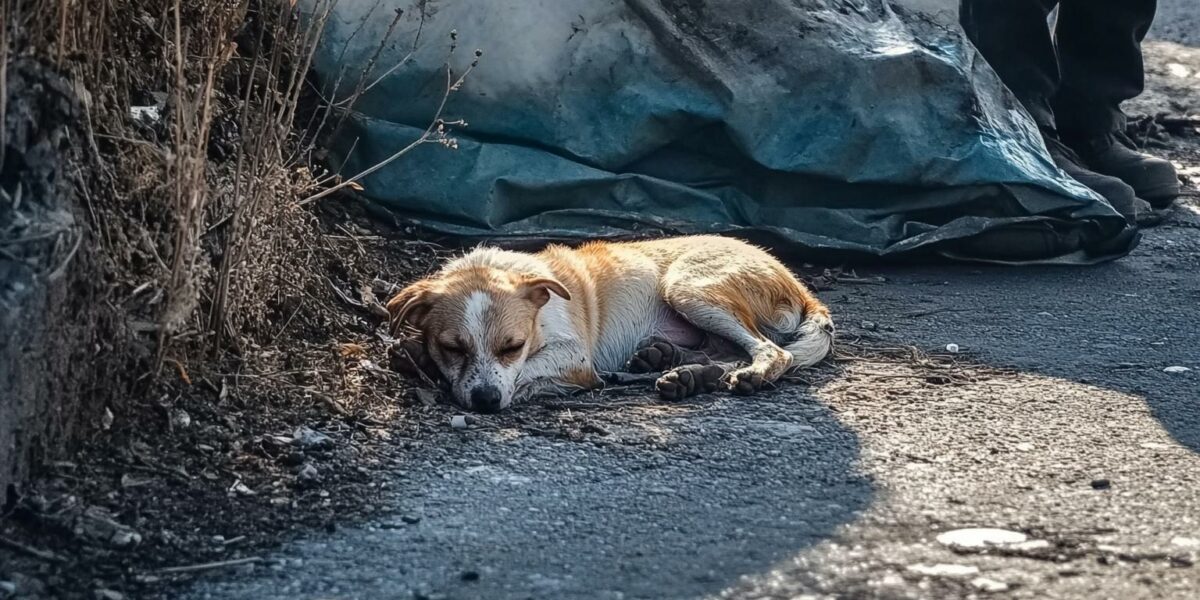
[{"x": 805, "y": 331}]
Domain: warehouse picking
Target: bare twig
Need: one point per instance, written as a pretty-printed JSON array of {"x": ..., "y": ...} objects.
[
  {"x": 436, "y": 127},
  {"x": 57, "y": 273},
  {"x": 30, "y": 550},
  {"x": 221, "y": 564}
]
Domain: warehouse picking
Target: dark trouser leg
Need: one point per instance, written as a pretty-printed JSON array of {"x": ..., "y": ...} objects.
[
  {"x": 1015, "y": 39},
  {"x": 1100, "y": 54}
]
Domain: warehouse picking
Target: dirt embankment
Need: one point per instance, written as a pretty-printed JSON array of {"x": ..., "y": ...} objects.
[
  {"x": 48, "y": 319},
  {"x": 190, "y": 353}
]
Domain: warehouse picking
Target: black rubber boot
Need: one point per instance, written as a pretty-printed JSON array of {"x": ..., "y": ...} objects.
[
  {"x": 1152, "y": 179},
  {"x": 1119, "y": 195}
]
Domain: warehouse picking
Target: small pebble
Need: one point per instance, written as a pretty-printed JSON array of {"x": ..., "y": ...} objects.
[
  {"x": 952, "y": 348},
  {"x": 984, "y": 584},
  {"x": 411, "y": 520},
  {"x": 470, "y": 576},
  {"x": 1176, "y": 370},
  {"x": 308, "y": 475},
  {"x": 1101, "y": 484}
]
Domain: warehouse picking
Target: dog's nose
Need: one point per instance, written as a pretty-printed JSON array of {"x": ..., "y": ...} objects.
[{"x": 486, "y": 399}]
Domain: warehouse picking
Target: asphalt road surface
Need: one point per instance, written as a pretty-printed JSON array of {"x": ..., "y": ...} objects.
[{"x": 1067, "y": 429}]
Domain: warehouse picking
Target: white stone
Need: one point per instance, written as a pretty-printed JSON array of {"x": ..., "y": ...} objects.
[
  {"x": 1176, "y": 369},
  {"x": 1178, "y": 70},
  {"x": 1185, "y": 542},
  {"x": 944, "y": 570},
  {"x": 952, "y": 348},
  {"x": 984, "y": 584},
  {"x": 980, "y": 537}
]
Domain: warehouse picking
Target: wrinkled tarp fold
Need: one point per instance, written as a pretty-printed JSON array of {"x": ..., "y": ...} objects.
[{"x": 834, "y": 128}]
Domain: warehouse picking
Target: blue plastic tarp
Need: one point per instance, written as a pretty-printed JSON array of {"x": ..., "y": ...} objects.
[{"x": 836, "y": 128}]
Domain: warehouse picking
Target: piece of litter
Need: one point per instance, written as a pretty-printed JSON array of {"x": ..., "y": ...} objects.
[
  {"x": 458, "y": 421},
  {"x": 944, "y": 570},
  {"x": 1025, "y": 446},
  {"x": 984, "y": 584},
  {"x": 308, "y": 439},
  {"x": 239, "y": 489},
  {"x": 952, "y": 348},
  {"x": 980, "y": 537},
  {"x": 1176, "y": 369},
  {"x": 145, "y": 113}
]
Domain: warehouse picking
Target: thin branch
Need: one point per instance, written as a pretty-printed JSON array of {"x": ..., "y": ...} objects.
[
  {"x": 434, "y": 127},
  {"x": 209, "y": 566}
]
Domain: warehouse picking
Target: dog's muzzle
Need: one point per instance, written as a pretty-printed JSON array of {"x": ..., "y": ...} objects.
[{"x": 486, "y": 399}]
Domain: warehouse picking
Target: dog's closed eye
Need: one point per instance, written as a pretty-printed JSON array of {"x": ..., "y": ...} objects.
[
  {"x": 511, "y": 348},
  {"x": 453, "y": 347}
]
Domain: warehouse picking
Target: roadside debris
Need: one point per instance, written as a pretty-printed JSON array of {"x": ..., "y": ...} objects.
[
  {"x": 944, "y": 570},
  {"x": 1176, "y": 370},
  {"x": 985, "y": 584},
  {"x": 952, "y": 348},
  {"x": 309, "y": 439},
  {"x": 99, "y": 525},
  {"x": 308, "y": 476},
  {"x": 980, "y": 537}
]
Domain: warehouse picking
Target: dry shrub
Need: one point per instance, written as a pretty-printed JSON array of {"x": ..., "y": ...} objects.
[{"x": 192, "y": 156}]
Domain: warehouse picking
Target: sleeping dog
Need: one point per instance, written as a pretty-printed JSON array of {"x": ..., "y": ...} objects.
[{"x": 708, "y": 312}]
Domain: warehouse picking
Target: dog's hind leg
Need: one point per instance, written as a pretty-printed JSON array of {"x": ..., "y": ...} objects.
[
  {"x": 768, "y": 361},
  {"x": 736, "y": 302}
]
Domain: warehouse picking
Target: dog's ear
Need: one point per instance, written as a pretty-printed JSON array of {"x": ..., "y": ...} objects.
[
  {"x": 537, "y": 290},
  {"x": 411, "y": 305}
]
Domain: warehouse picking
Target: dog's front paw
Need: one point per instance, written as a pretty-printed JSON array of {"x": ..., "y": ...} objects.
[
  {"x": 689, "y": 380},
  {"x": 744, "y": 382},
  {"x": 655, "y": 356}
]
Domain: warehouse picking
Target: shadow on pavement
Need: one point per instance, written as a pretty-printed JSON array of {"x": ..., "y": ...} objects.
[{"x": 676, "y": 501}]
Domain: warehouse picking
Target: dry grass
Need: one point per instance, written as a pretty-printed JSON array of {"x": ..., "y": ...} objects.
[
  {"x": 193, "y": 158},
  {"x": 194, "y": 208}
]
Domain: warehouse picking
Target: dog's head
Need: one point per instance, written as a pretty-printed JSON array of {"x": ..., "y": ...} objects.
[{"x": 480, "y": 325}]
